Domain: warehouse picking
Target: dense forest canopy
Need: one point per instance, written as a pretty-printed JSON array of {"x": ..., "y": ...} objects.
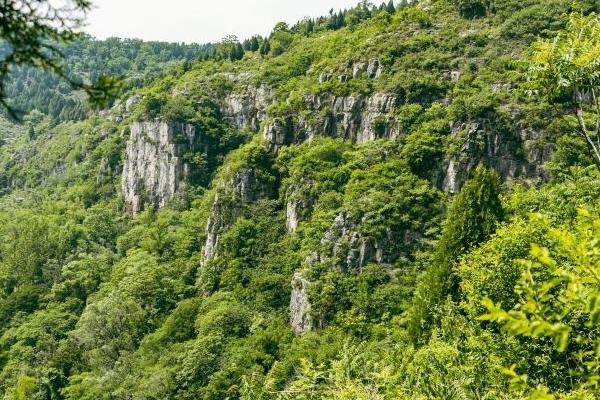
[
  {"x": 394, "y": 201},
  {"x": 29, "y": 88}
]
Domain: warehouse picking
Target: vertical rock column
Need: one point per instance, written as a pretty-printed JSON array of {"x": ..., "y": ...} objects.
[{"x": 154, "y": 169}]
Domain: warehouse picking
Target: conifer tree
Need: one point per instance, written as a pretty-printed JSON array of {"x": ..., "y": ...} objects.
[
  {"x": 246, "y": 45},
  {"x": 237, "y": 52},
  {"x": 254, "y": 45},
  {"x": 310, "y": 26},
  {"x": 340, "y": 20},
  {"x": 265, "y": 48},
  {"x": 390, "y": 7},
  {"x": 472, "y": 218}
]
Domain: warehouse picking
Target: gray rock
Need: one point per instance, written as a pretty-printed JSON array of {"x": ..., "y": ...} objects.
[
  {"x": 131, "y": 103},
  {"x": 355, "y": 117},
  {"x": 247, "y": 109},
  {"x": 374, "y": 69},
  {"x": 278, "y": 133},
  {"x": 292, "y": 216},
  {"x": 346, "y": 248},
  {"x": 213, "y": 228},
  {"x": 243, "y": 188},
  {"x": 298, "y": 204},
  {"x": 359, "y": 69},
  {"x": 153, "y": 169},
  {"x": 512, "y": 156},
  {"x": 300, "y": 318}
]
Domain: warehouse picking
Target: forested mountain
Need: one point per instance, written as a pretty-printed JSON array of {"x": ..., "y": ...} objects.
[
  {"x": 137, "y": 62},
  {"x": 393, "y": 202}
]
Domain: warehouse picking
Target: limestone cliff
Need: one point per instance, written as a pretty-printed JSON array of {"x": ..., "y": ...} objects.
[
  {"x": 230, "y": 198},
  {"x": 358, "y": 118},
  {"x": 513, "y": 154},
  {"x": 246, "y": 108},
  {"x": 300, "y": 318},
  {"x": 154, "y": 167}
]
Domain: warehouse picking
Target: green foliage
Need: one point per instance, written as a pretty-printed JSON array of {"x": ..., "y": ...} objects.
[
  {"x": 473, "y": 217},
  {"x": 558, "y": 299},
  {"x": 29, "y": 88},
  {"x": 472, "y": 8},
  {"x": 96, "y": 303},
  {"x": 567, "y": 67}
]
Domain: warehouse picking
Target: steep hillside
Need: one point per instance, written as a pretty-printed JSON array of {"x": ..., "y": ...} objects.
[{"x": 345, "y": 212}]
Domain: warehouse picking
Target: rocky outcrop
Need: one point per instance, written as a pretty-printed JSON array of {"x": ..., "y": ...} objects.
[
  {"x": 247, "y": 109},
  {"x": 344, "y": 247},
  {"x": 355, "y": 117},
  {"x": 512, "y": 154},
  {"x": 228, "y": 204},
  {"x": 300, "y": 318},
  {"x": 295, "y": 212},
  {"x": 292, "y": 216},
  {"x": 373, "y": 69},
  {"x": 299, "y": 202},
  {"x": 131, "y": 102},
  {"x": 154, "y": 168}
]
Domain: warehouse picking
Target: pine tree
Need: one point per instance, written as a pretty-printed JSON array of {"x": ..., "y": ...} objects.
[
  {"x": 340, "y": 23},
  {"x": 472, "y": 218},
  {"x": 254, "y": 45},
  {"x": 265, "y": 48},
  {"x": 332, "y": 23},
  {"x": 246, "y": 45},
  {"x": 237, "y": 52},
  {"x": 310, "y": 27},
  {"x": 390, "y": 7}
]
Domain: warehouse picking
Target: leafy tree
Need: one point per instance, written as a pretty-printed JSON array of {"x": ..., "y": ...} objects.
[
  {"x": 560, "y": 300},
  {"x": 566, "y": 67}
]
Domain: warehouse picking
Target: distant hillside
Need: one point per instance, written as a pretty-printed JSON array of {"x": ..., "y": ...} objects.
[{"x": 138, "y": 62}]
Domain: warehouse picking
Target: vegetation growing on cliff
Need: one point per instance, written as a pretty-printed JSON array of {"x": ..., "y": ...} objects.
[{"x": 453, "y": 255}]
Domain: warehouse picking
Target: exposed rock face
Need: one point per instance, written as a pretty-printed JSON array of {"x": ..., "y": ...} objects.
[
  {"x": 373, "y": 69},
  {"x": 247, "y": 109},
  {"x": 299, "y": 202},
  {"x": 131, "y": 103},
  {"x": 300, "y": 320},
  {"x": 213, "y": 228},
  {"x": 227, "y": 205},
  {"x": 294, "y": 212},
  {"x": 517, "y": 155},
  {"x": 355, "y": 117},
  {"x": 279, "y": 132},
  {"x": 153, "y": 169},
  {"x": 292, "y": 216},
  {"x": 343, "y": 246}
]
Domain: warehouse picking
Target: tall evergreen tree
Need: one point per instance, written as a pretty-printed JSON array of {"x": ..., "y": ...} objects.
[
  {"x": 310, "y": 26},
  {"x": 472, "y": 218},
  {"x": 340, "y": 23},
  {"x": 265, "y": 48},
  {"x": 254, "y": 45},
  {"x": 246, "y": 45},
  {"x": 390, "y": 7},
  {"x": 237, "y": 52}
]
